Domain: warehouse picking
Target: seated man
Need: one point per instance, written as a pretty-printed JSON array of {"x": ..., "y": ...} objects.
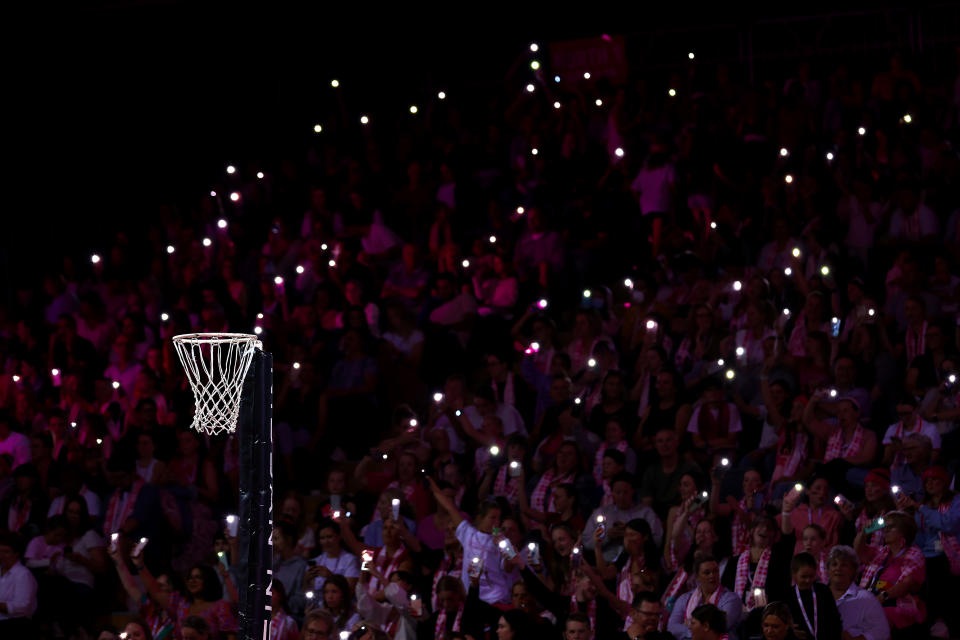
[{"x": 18, "y": 590}]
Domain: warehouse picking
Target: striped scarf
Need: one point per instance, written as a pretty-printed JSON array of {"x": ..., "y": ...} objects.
[
  {"x": 836, "y": 449},
  {"x": 789, "y": 458},
  {"x": 506, "y": 486},
  {"x": 440, "y": 629},
  {"x": 696, "y": 597},
  {"x": 740, "y": 529},
  {"x": 542, "y": 499},
  {"x": 624, "y": 589},
  {"x": 591, "y": 611},
  {"x": 677, "y": 587},
  {"x": 916, "y": 342},
  {"x": 446, "y": 568},
  {"x": 386, "y": 565},
  {"x": 913, "y": 561},
  {"x": 743, "y": 586},
  {"x": 116, "y": 515}
]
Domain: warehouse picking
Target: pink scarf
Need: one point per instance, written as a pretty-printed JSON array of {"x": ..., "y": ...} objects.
[{"x": 117, "y": 516}]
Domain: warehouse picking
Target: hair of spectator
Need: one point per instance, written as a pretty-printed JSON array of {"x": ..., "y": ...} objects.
[
  {"x": 579, "y": 616},
  {"x": 12, "y": 540},
  {"x": 212, "y": 589},
  {"x": 700, "y": 561},
  {"x": 904, "y": 523},
  {"x": 801, "y": 560},
  {"x": 197, "y": 623},
  {"x": 711, "y": 616},
  {"x": 843, "y": 553},
  {"x": 779, "y": 610}
]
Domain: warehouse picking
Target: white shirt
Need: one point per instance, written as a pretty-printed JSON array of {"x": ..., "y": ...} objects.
[
  {"x": 38, "y": 552},
  {"x": 18, "y": 590},
  {"x": 77, "y": 572},
  {"x": 653, "y": 185},
  {"x": 495, "y": 584},
  {"x": 914, "y": 226},
  {"x": 862, "y": 615},
  {"x": 92, "y": 500},
  {"x": 926, "y": 428},
  {"x": 16, "y": 445},
  {"x": 512, "y": 422},
  {"x": 613, "y": 515},
  {"x": 346, "y": 565},
  {"x": 404, "y": 345},
  {"x": 735, "y": 425}
]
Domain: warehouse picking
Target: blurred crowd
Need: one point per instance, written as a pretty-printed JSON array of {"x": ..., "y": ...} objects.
[{"x": 677, "y": 358}]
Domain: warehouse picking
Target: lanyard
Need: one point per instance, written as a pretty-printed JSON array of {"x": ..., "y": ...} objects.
[
  {"x": 811, "y": 627},
  {"x": 810, "y": 514}
]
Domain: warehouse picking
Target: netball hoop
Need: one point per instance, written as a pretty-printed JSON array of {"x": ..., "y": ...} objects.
[{"x": 232, "y": 382}]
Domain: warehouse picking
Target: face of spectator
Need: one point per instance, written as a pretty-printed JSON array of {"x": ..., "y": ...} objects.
[
  {"x": 648, "y": 616},
  {"x": 134, "y": 631},
  {"x": 774, "y": 628},
  {"x": 406, "y": 468},
  {"x": 622, "y": 495},
  {"x": 935, "y": 486},
  {"x": 316, "y": 630},
  {"x": 847, "y": 415},
  {"x": 913, "y": 311},
  {"x": 521, "y": 599},
  {"x": 613, "y": 388},
  {"x": 560, "y": 391},
  {"x": 195, "y": 582},
  {"x": 763, "y": 536},
  {"x": 665, "y": 386},
  {"x": 490, "y": 520},
  {"x": 504, "y": 632},
  {"x": 562, "y": 499},
  {"x": 874, "y": 491},
  {"x": 145, "y": 448},
  {"x": 805, "y": 577},
  {"x": 752, "y": 482},
  {"x": 812, "y": 542},
  {"x": 336, "y": 485},
  {"x": 566, "y": 459},
  {"x": 332, "y": 596},
  {"x": 666, "y": 443},
  {"x": 698, "y": 631},
  {"x": 708, "y": 577},
  {"x": 562, "y": 542},
  {"x": 353, "y": 292},
  {"x": 576, "y": 630},
  {"x": 817, "y": 492},
  {"x": 688, "y": 487},
  {"x": 633, "y": 541},
  {"x": 329, "y": 539},
  {"x": 609, "y": 468},
  {"x": 841, "y": 571},
  {"x": 511, "y": 531},
  {"x": 448, "y": 601},
  {"x": 121, "y": 348},
  {"x": 704, "y": 536}
]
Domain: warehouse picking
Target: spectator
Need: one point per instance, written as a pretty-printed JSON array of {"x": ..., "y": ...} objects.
[
  {"x": 18, "y": 589},
  {"x": 684, "y": 618},
  {"x": 860, "y": 612}
]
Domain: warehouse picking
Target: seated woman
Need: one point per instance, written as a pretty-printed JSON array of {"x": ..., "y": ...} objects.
[
  {"x": 777, "y": 622},
  {"x": 895, "y": 573},
  {"x": 860, "y": 613},
  {"x": 708, "y": 591}
]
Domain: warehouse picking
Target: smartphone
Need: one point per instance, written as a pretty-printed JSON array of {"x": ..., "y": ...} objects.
[
  {"x": 232, "y": 524},
  {"x": 335, "y": 501},
  {"x": 416, "y": 605},
  {"x": 875, "y": 525},
  {"x": 841, "y": 500},
  {"x": 533, "y": 554},
  {"x": 222, "y": 559},
  {"x": 113, "y": 541},
  {"x": 576, "y": 557},
  {"x": 601, "y": 527},
  {"x": 506, "y": 549},
  {"x": 701, "y": 499},
  {"x": 395, "y": 509},
  {"x": 476, "y": 567},
  {"x": 367, "y": 557},
  {"x": 137, "y": 550},
  {"x": 514, "y": 469}
]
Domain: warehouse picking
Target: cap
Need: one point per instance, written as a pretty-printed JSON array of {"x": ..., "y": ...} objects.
[
  {"x": 880, "y": 475},
  {"x": 936, "y": 472}
]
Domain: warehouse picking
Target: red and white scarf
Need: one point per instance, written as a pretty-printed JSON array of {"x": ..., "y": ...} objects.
[
  {"x": 446, "y": 568},
  {"x": 440, "y": 629},
  {"x": 677, "y": 587},
  {"x": 598, "y": 458},
  {"x": 624, "y": 589},
  {"x": 899, "y": 433},
  {"x": 836, "y": 448},
  {"x": 876, "y": 538},
  {"x": 386, "y": 565},
  {"x": 696, "y": 597},
  {"x": 542, "y": 497},
  {"x": 591, "y": 611},
  {"x": 743, "y": 586},
  {"x": 120, "y": 507},
  {"x": 913, "y": 562},
  {"x": 797, "y": 345},
  {"x": 916, "y": 342},
  {"x": 506, "y": 486},
  {"x": 789, "y": 459},
  {"x": 740, "y": 529}
]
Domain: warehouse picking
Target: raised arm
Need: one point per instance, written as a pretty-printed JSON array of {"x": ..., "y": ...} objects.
[{"x": 444, "y": 502}]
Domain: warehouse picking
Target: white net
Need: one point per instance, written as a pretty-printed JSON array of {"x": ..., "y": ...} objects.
[{"x": 216, "y": 364}]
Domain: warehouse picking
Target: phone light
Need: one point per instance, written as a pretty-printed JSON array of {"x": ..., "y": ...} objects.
[
  {"x": 532, "y": 546},
  {"x": 502, "y": 544},
  {"x": 334, "y": 83},
  {"x": 737, "y": 285},
  {"x": 521, "y": 211},
  {"x": 171, "y": 248},
  {"x": 309, "y": 595},
  {"x": 577, "y": 401},
  {"x": 534, "y": 64},
  {"x": 690, "y": 56},
  {"x": 952, "y": 378},
  {"x": 231, "y": 519},
  {"x": 833, "y": 393},
  {"x": 651, "y": 325},
  {"x": 757, "y": 592},
  {"x": 16, "y": 378},
  {"x": 534, "y": 47},
  {"x": 438, "y": 397},
  {"x": 704, "y": 495},
  {"x": 222, "y": 222},
  {"x": 296, "y": 365},
  {"x": 618, "y": 152},
  {"x": 600, "y": 519},
  {"x": 788, "y": 272},
  {"x": 786, "y": 311},
  {"x": 55, "y": 372},
  {"x": 534, "y": 151},
  {"x": 542, "y": 303},
  {"x": 829, "y": 156},
  {"x": 730, "y": 374},
  {"x": 213, "y": 194},
  {"x": 300, "y": 269},
  {"x": 788, "y": 179},
  {"x": 592, "y": 362},
  {"x": 556, "y": 78},
  {"x": 713, "y": 225},
  {"x": 259, "y": 316},
  {"x": 494, "y": 450},
  {"x": 258, "y": 330},
  {"x": 207, "y": 242},
  {"x": 724, "y": 462},
  {"x": 798, "y": 487},
  {"x": 441, "y": 96},
  {"x": 907, "y": 118},
  {"x": 514, "y": 465},
  {"x": 836, "y": 499},
  {"x": 880, "y": 521},
  {"x": 95, "y": 259},
  {"x": 164, "y": 317},
  {"x": 796, "y": 252},
  {"x": 672, "y": 92},
  {"x": 465, "y": 264},
  {"x": 862, "y": 131},
  {"x": 259, "y": 175},
  {"x": 475, "y": 560},
  {"x": 99, "y": 441},
  {"x": 871, "y": 312},
  {"x": 492, "y": 239},
  {"x": 587, "y": 293},
  {"x": 364, "y": 120},
  {"x": 535, "y": 346},
  {"x": 895, "y": 489},
  {"x": 824, "y": 270},
  {"x": 719, "y": 362},
  {"x": 278, "y": 280},
  {"x": 628, "y": 283},
  {"x": 317, "y": 128},
  {"x": 115, "y": 384},
  {"x": 530, "y": 88},
  {"x": 556, "y": 104},
  {"x": 413, "y": 108},
  {"x": 413, "y": 422},
  {"x": 332, "y": 263},
  {"x": 395, "y": 502},
  {"x": 586, "y": 75},
  {"x": 231, "y": 169},
  {"x": 740, "y": 352}
]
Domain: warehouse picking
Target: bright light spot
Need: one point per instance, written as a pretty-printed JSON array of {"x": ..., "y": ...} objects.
[
  {"x": 492, "y": 239},
  {"x": 542, "y": 303},
  {"x": 494, "y": 450},
  {"x": 231, "y": 169},
  {"x": 334, "y": 83},
  {"x": 164, "y": 317},
  {"x": 99, "y": 441},
  {"x": 798, "y": 487},
  {"x": 54, "y": 372},
  {"x": 952, "y": 378},
  {"x": 530, "y": 88},
  {"x": 556, "y": 105},
  {"x": 332, "y": 264},
  {"x": 73, "y": 425},
  {"x": 234, "y": 197},
  {"x": 207, "y": 242},
  {"x": 521, "y": 211},
  {"x": 222, "y": 223},
  {"x": 413, "y": 108},
  {"x": 556, "y": 78},
  {"x": 278, "y": 280},
  {"x": 796, "y": 252},
  {"x": 829, "y": 156},
  {"x": 783, "y": 152},
  {"x": 618, "y": 152},
  {"x": 740, "y": 352},
  {"x": 598, "y": 102},
  {"x": 592, "y": 362},
  {"x": 577, "y": 401},
  {"x": 535, "y": 346},
  {"x": 720, "y": 362},
  {"x": 672, "y": 93},
  {"x": 442, "y": 96},
  {"x": 413, "y": 422},
  {"x": 713, "y": 225},
  {"x": 534, "y": 47},
  {"x": 300, "y": 268},
  {"x": 213, "y": 194},
  {"x": 757, "y": 592},
  {"x": 534, "y": 64},
  {"x": 437, "y": 397},
  {"x": 317, "y": 128},
  {"x": 258, "y": 330},
  {"x": 871, "y": 312},
  {"x": 786, "y": 311},
  {"x": 364, "y": 120},
  {"x": 587, "y": 293},
  {"x": 690, "y": 56},
  {"x": 651, "y": 324},
  {"x": 586, "y": 75},
  {"x": 737, "y": 285},
  {"x": 724, "y": 462},
  {"x": 534, "y": 151},
  {"x": 788, "y": 272},
  {"x": 788, "y": 179},
  {"x": 465, "y": 264},
  {"x": 824, "y": 270},
  {"x": 259, "y": 175},
  {"x": 730, "y": 374},
  {"x": 259, "y": 316},
  {"x": 115, "y": 384},
  {"x": 16, "y": 378},
  {"x": 627, "y": 282},
  {"x": 862, "y": 131},
  {"x": 95, "y": 259},
  {"x": 833, "y": 393},
  {"x": 908, "y": 118},
  {"x": 171, "y": 248}
]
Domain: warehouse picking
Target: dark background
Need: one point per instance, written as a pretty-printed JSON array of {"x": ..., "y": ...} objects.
[{"x": 116, "y": 107}]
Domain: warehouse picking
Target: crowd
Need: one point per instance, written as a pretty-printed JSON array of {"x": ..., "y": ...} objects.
[{"x": 587, "y": 362}]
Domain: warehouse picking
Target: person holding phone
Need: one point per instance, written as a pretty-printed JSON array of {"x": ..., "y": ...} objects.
[{"x": 708, "y": 591}]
